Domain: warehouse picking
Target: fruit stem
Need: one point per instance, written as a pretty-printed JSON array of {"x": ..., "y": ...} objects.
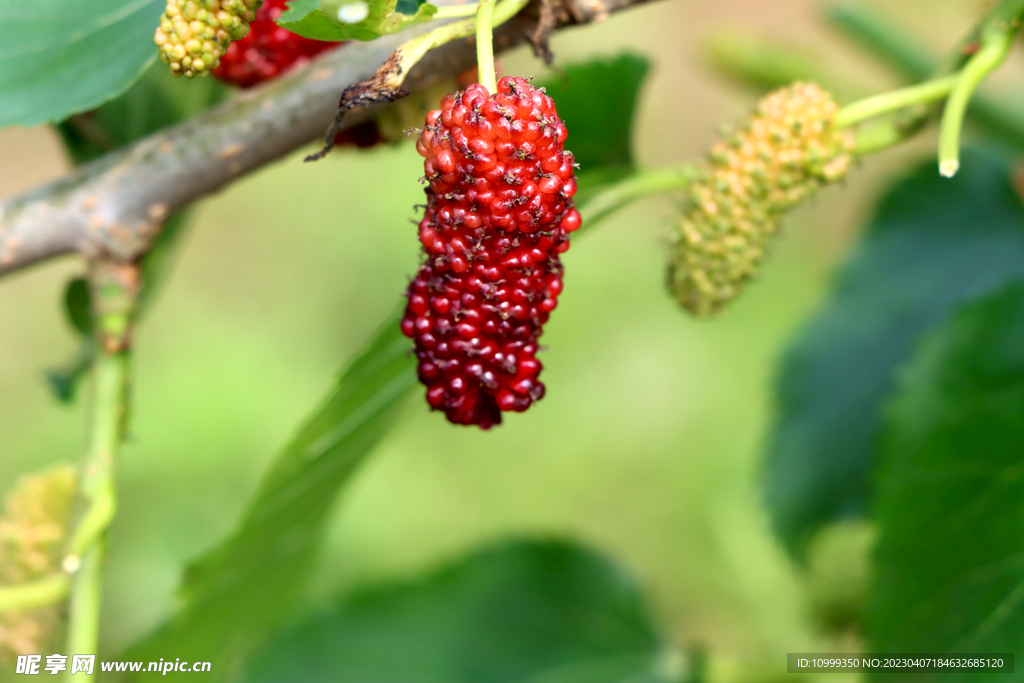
[
  {"x": 637, "y": 186},
  {"x": 485, "y": 46},
  {"x": 110, "y": 376},
  {"x": 905, "y": 57},
  {"x": 455, "y": 11},
  {"x": 876, "y": 137},
  {"x": 45, "y": 591},
  {"x": 888, "y": 102},
  {"x": 412, "y": 51},
  {"x": 994, "y": 47}
]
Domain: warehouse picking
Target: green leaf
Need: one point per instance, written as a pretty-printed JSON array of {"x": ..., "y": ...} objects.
[
  {"x": 58, "y": 58},
  {"x": 409, "y": 7},
  {"x": 317, "y": 26},
  {"x": 235, "y": 592},
  {"x": 949, "y": 573},
  {"x": 597, "y": 100},
  {"x": 524, "y": 611},
  {"x": 65, "y": 380},
  {"x": 319, "y": 21},
  {"x": 934, "y": 243},
  {"x": 78, "y": 305},
  {"x": 296, "y": 10}
]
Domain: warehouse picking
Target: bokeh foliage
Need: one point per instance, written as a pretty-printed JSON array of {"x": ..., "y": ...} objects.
[
  {"x": 523, "y": 611},
  {"x": 950, "y": 491},
  {"x": 932, "y": 245},
  {"x": 902, "y": 402}
]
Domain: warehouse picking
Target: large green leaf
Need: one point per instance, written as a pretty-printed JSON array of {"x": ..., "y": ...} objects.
[
  {"x": 526, "y": 611},
  {"x": 59, "y": 57},
  {"x": 949, "y": 573},
  {"x": 933, "y": 244},
  {"x": 597, "y": 100},
  {"x": 320, "y": 20},
  {"x": 252, "y": 579}
]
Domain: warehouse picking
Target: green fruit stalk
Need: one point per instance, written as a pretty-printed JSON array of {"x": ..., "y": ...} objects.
[
  {"x": 785, "y": 152},
  {"x": 194, "y": 34}
]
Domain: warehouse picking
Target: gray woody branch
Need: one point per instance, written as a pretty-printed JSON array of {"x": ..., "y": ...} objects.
[{"x": 114, "y": 207}]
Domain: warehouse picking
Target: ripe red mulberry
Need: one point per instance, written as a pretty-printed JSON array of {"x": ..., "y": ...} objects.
[
  {"x": 499, "y": 210},
  {"x": 267, "y": 50}
]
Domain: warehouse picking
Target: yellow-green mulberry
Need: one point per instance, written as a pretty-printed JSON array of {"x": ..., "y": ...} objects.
[
  {"x": 786, "y": 150},
  {"x": 194, "y": 34},
  {"x": 34, "y": 530}
]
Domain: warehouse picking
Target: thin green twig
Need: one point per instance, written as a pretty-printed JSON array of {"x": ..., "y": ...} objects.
[
  {"x": 84, "y": 606},
  {"x": 993, "y": 50},
  {"x": 888, "y": 102},
  {"x": 898, "y": 50},
  {"x": 115, "y": 290},
  {"x": 455, "y": 11},
  {"x": 110, "y": 378},
  {"x": 412, "y": 51},
  {"x": 637, "y": 186},
  {"x": 45, "y": 591}
]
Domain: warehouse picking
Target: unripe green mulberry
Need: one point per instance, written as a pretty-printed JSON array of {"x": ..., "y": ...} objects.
[
  {"x": 838, "y": 574},
  {"x": 786, "y": 150},
  {"x": 194, "y": 34},
  {"x": 34, "y": 530}
]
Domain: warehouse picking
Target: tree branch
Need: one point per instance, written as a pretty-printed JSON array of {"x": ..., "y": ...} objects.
[{"x": 114, "y": 206}]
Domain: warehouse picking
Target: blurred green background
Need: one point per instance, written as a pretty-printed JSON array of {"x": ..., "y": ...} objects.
[{"x": 645, "y": 447}]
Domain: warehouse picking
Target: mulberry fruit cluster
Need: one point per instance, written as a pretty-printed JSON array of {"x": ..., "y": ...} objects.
[
  {"x": 33, "y": 532},
  {"x": 498, "y": 215},
  {"x": 785, "y": 152},
  {"x": 267, "y": 50},
  {"x": 193, "y": 35}
]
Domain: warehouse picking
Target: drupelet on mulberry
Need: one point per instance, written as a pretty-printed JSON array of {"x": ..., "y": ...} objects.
[{"x": 498, "y": 215}]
